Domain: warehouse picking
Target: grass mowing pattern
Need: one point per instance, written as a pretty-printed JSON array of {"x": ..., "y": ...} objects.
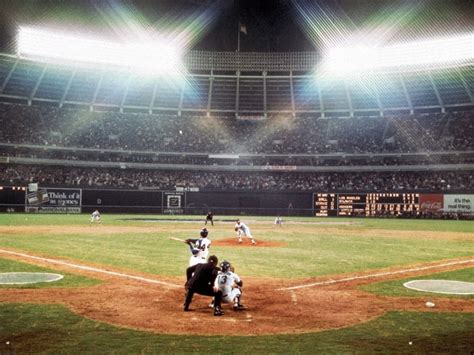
[
  {"x": 69, "y": 280},
  {"x": 309, "y": 250},
  {"x": 34, "y": 329},
  {"x": 14, "y": 219}
]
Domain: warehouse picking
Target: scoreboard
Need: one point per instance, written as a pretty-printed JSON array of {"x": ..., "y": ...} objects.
[{"x": 365, "y": 204}]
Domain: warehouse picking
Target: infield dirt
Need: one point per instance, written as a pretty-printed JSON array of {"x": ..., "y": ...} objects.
[{"x": 158, "y": 308}]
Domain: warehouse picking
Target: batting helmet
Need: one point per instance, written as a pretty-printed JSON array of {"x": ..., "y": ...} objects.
[
  {"x": 225, "y": 266},
  {"x": 204, "y": 232}
]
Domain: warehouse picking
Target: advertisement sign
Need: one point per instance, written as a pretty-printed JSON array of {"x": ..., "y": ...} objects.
[
  {"x": 53, "y": 200},
  {"x": 174, "y": 202},
  {"x": 431, "y": 202},
  {"x": 459, "y": 203}
]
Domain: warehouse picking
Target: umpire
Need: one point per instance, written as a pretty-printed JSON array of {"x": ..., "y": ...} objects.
[
  {"x": 200, "y": 279},
  {"x": 209, "y": 218}
]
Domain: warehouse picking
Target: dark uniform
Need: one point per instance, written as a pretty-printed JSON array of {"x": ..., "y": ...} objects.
[
  {"x": 209, "y": 217},
  {"x": 200, "y": 279}
]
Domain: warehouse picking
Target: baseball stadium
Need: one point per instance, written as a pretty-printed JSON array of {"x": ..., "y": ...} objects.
[{"x": 225, "y": 176}]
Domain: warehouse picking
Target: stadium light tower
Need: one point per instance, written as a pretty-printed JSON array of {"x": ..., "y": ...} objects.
[
  {"x": 156, "y": 56},
  {"x": 363, "y": 58}
]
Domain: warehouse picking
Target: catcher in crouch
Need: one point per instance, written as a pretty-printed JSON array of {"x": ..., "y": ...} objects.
[
  {"x": 199, "y": 248},
  {"x": 229, "y": 284}
]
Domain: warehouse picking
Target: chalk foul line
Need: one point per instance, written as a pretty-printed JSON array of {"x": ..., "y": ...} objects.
[
  {"x": 164, "y": 283},
  {"x": 388, "y": 273},
  {"x": 90, "y": 268}
]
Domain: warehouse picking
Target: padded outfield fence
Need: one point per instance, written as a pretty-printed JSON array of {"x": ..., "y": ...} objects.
[{"x": 221, "y": 202}]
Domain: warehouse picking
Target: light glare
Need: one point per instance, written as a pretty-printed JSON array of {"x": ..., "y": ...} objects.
[
  {"x": 353, "y": 59},
  {"x": 154, "y": 57}
]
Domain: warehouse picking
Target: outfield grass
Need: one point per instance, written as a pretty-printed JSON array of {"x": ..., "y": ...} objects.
[
  {"x": 307, "y": 250},
  {"x": 120, "y": 219},
  {"x": 311, "y": 250}
]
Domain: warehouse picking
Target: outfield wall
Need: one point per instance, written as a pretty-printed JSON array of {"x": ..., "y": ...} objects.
[
  {"x": 70, "y": 200},
  {"x": 193, "y": 201}
]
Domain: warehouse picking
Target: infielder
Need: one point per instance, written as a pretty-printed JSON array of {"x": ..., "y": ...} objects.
[
  {"x": 199, "y": 248},
  {"x": 279, "y": 221},
  {"x": 243, "y": 230},
  {"x": 95, "y": 217},
  {"x": 229, "y": 283}
]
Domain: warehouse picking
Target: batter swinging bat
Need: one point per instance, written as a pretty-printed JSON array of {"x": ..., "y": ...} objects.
[{"x": 178, "y": 239}]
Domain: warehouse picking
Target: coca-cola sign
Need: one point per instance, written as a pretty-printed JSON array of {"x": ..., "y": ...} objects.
[{"x": 431, "y": 202}]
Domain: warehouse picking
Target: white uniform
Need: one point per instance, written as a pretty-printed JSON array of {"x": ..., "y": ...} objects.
[
  {"x": 201, "y": 249},
  {"x": 224, "y": 282},
  {"x": 278, "y": 221},
  {"x": 95, "y": 216},
  {"x": 243, "y": 230}
]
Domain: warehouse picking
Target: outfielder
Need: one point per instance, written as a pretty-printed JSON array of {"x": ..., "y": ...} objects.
[
  {"x": 243, "y": 230},
  {"x": 199, "y": 248},
  {"x": 229, "y": 283},
  {"x": 95, "y": 217}
]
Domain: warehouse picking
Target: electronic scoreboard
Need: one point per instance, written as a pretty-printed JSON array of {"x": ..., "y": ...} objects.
[{"x": 365, "y": 204}]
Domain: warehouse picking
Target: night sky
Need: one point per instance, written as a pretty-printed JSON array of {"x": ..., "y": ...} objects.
[{"x": 272, "y": 25}]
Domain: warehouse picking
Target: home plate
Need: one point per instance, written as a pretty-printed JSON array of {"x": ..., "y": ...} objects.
[{"x": 442, "y": 286}]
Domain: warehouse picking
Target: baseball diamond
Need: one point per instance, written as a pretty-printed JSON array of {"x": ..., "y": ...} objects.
[
  {"x": 126, "y": 298},
  {"x": 252, "y": 177}
]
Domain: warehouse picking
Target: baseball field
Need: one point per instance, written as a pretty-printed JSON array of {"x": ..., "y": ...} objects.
[{"x": 315, "y": 285}]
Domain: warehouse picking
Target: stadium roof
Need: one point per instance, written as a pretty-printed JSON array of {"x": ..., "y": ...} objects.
[{"x": 266, "y": 25}]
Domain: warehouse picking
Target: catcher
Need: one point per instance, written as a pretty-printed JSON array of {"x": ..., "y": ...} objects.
[
  {"x": 229, "y": 283},
  {"x": 199, "y": 248}
]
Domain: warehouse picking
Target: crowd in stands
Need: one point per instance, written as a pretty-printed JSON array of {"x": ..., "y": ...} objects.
[
  {"x": 280, "y": 181},
  {"x": 169, "y": 139},
  {"x": 39, "y": 152},
  {"x": 49, "y": 125}
]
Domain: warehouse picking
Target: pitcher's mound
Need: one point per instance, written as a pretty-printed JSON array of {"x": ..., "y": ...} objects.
[
  {"x": 233, "y": 242},
  {"x": 442, "y": 286}
]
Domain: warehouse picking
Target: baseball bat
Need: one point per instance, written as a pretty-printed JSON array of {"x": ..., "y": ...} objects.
[{"x": 178, "y": 239}]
